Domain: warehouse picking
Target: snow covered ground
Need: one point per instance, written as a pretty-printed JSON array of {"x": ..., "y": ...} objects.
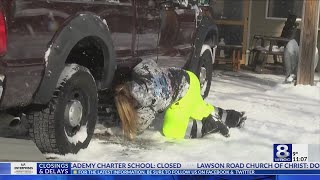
[{"x": 277, "y": 113}]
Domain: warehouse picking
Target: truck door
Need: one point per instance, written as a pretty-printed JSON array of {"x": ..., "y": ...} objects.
[
  {"x": 178, "y": 25},
  {"x": 120, "y": 18},
  {"x": 119, "y": 15},
  {"x": 148, "y": 26}
]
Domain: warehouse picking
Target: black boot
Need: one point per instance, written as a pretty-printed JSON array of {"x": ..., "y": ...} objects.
[
  {"x": 235, "y": 119},
  {"x": 232, "y": 118},
  {"x": 242, "y": 120},
  {"x": 213, "y": 124}
]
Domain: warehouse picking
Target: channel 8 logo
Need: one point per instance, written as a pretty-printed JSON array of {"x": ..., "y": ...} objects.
[{"x": 282, "y": 152}]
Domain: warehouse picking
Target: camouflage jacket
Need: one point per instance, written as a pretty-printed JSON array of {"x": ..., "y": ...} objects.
[{"x": 155, "y": 89}]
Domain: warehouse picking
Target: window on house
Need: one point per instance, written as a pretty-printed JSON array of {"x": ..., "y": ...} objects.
[
  {"x": 228, "y": 9},
  {"x": 282, "y": 8}
]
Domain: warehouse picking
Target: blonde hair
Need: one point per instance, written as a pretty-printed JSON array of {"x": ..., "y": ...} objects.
[{"x": 126, "y": 110}]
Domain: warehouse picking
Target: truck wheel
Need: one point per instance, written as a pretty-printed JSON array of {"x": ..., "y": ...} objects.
[
  {"x": 68, "y": 122},
  {"x": 205, "y": 72}
]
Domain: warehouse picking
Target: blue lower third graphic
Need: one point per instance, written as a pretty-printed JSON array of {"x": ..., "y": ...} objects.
[
  {"x": 5, "y": 168},
  {"x": 189, "y": 172},
  {"x": 53, "y": 168}
]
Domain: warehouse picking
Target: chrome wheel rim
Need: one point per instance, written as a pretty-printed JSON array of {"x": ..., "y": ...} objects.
[{"x": 73, "y": 113}]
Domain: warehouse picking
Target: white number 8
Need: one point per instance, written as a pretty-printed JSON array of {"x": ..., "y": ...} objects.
[{"x": 282, "y": 151}]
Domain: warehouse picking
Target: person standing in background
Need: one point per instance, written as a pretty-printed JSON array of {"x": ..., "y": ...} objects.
[{"x": 291, "y": 60}]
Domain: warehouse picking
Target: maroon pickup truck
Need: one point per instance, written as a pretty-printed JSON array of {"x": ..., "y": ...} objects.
[{"x": 58, "y": 56}]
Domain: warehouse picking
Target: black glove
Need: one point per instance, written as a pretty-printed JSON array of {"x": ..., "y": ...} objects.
[{"x": 213, "y": 124}]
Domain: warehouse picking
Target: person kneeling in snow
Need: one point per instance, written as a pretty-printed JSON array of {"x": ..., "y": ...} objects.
[{"x": 177, "y": 92}]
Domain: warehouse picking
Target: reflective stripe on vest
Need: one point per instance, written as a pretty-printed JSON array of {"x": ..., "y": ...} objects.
[
  {"x": 190, "y": 106},
  {"x": 197, "y": 126}
]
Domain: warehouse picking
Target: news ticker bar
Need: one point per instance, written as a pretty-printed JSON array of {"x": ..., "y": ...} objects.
[
  {"x": 160, "y": 168},
  {"x": 192, "y": 172}
]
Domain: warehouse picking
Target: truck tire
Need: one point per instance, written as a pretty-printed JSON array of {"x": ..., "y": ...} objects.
[
  {"x": 67, "y": 124},
  {"x": 205, "y": 72}
]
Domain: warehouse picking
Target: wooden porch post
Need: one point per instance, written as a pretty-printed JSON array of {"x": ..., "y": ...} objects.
[{"x": 308, "y": 42}]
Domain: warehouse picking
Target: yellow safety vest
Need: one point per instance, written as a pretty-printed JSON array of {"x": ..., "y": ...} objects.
[{"x": 192, "y": 106}]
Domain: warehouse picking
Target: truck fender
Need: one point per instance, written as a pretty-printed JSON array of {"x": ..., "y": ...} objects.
[
  {"x": 82, "y": 25},
  {"x": 211, "y": 49},
  {"x": 205, "y": 27}
]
